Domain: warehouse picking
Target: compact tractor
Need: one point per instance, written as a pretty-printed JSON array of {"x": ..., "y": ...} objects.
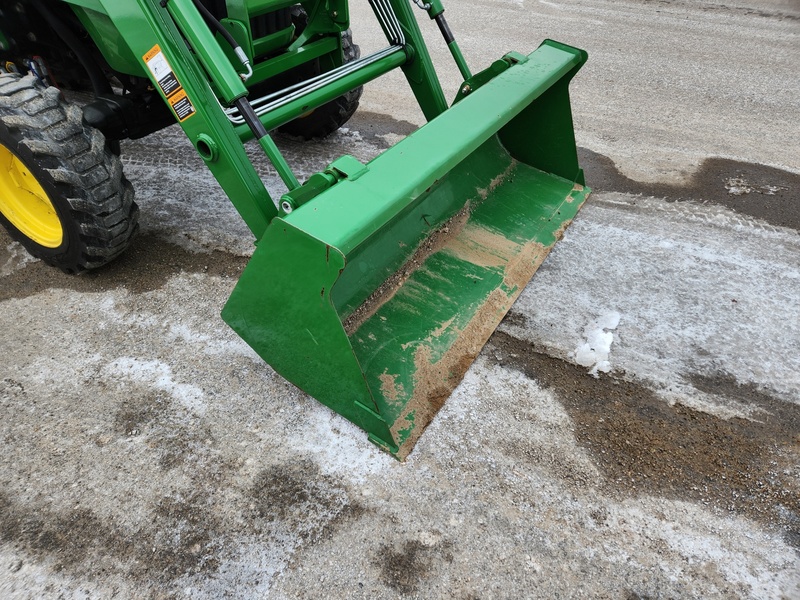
[{"x": 372, "y": 286}]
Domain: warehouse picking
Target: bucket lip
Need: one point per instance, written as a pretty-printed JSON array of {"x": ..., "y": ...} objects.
[
  {"x": 431, "y": 152},
  {"x": 412, "y": 349}
]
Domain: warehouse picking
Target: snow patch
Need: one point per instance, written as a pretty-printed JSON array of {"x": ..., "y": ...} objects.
[
  {"x": 18, "y": 258},
  {"x": 739, "y": 186},
  {"x": 341, "y": 449},
  {"x": 154, "y": 373},
  {"x": 345, "y": 134},
  {"x": 690, "y": 281},
  {"x": 595, "y": 350}
]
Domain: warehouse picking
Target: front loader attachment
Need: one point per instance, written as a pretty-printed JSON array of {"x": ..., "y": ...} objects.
[{"x": 379, "y": 284}]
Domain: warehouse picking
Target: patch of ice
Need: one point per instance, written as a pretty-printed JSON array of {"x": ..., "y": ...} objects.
[
  {"x": 739, "y": 186},
  {"x": 702, "y": 544},
  {"x": 211, "y": 343},
  {"x": 25, "y": 578},
  {"x": 690, "y": 281},
  {"x": 473, "y": 414},
  {"x": 18, "y": 258},
  {"x": 349, "y": 135},
  {"x": 246, "y": 570},
  {"x": 595, "y": 350}
]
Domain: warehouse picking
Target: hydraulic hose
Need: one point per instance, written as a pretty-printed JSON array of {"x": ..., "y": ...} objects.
[
  {"x": 218, "y": 27},
  {"x": 215, "y": 24},
  {"x": 265, "y": 141}
]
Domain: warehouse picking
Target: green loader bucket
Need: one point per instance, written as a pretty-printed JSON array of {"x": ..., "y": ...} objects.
[{"x": 376, "y": 295}]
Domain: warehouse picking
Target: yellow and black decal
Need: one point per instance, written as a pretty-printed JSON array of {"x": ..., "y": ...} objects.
[
  {"x": 170, "y": 86},
  {"x": 181, "y": 104}
]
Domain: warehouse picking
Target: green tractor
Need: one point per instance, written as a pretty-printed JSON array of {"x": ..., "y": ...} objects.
[{"x": 372, "y": 286}]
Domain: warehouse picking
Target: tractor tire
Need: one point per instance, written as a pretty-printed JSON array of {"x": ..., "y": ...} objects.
[
  {"x": 326, "y": 119},
  {"x": 62, "y": 192}
]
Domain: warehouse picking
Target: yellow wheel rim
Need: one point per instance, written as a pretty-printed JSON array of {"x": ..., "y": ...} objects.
[{"x": 24, "y": 202}]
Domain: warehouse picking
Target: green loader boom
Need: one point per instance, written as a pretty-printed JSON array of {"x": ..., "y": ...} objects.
[{"x": 373, "y": 286}]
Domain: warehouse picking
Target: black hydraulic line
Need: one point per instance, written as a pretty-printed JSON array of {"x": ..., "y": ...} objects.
[
  {"x": 452, "y": 45},
  {"x": 100, "y": 84},
  {"x": 251, "y": 118},
  {"x": 266, "y": 143},
  {"x": 215, "y": 24},
  {"x": 444, "y": 28}
]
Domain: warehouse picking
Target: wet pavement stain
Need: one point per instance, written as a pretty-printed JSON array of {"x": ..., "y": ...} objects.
[
  {"x": 286, "y": 495},
  {"x": 178, "y": 445},
  {"x": 147, "y": 265},
  {"x": 136, "y": 414},
  {"x": 376, "y": 128},
  {"x": 635, "y": 596},
  {"x": 750, "y": 189},
  {"x": 404, "y": 569},
  {"x": 70, "y": 538},
  {"x": 184, "y": 543},
  {"x": 177, "y": 543},
  {"x": 11, "y": 389},
  {"x": 725, "y": 384},
  {"x": 645, "y": 446}
]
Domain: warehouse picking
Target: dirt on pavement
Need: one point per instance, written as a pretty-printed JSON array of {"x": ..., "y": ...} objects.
[{"x": 646, "y": 446}]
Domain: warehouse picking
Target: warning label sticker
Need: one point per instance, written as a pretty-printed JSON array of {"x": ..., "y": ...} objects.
[
  {"x": 181, "y": 105},
  {"x": 169, "y": 84},
  {"x": 162, "y": 72}
]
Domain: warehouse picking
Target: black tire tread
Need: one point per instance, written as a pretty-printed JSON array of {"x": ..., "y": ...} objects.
[
  {"x": 329, "y": 117},
  {"x": 81, "y": 168}
]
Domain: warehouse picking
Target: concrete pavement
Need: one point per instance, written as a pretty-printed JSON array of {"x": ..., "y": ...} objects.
[{"x": 148, "y": 453}]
